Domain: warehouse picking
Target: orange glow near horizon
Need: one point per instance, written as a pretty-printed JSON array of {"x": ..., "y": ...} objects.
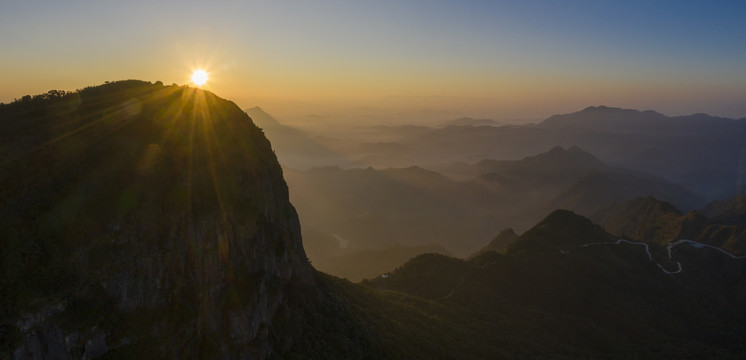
[{"x": 297, "y": 54}]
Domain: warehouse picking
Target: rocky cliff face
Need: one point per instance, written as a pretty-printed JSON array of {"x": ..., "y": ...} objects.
[{"x": 137, "y": 218}]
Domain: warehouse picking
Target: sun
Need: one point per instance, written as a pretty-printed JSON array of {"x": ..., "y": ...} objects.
[{"x": 199, "y": 77}]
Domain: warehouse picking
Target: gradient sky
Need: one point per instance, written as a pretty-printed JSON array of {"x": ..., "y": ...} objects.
[{"x": 518, "y": 59}]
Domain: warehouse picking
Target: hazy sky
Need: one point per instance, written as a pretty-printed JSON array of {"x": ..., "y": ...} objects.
[{"x": 519, "y": 59}]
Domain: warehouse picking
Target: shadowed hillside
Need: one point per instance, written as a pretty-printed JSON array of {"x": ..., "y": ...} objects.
[
  {"x": 568, "y": 289},
  {"x": 649, "y": 220},
  {"x": 146, "y": 221},
  {"x": 142, "y": 220}
]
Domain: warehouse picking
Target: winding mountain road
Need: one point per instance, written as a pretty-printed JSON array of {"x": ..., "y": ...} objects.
[{"x": 669, "y": 249}]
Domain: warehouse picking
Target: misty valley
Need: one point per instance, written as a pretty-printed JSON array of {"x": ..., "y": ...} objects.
[
  {"x": 371, "y": 197},
  {"x": 143, "y": 220}
]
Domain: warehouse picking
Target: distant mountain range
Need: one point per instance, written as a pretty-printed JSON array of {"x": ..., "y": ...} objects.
[
  {"x": 139, "y": 220},
  {"x": 294, "y": 147},
  {"x": 413, "y": 206},
  {"x": 467, "y": 121},
  {"x": 406, "y": 201},
  {"x": 617, "y": 120},
  {"x": 699, "y": 152},
  {"x": 556, "y": 159}
]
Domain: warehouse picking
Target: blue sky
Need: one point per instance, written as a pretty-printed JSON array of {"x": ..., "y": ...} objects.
[{"x": 530, "y": 57}]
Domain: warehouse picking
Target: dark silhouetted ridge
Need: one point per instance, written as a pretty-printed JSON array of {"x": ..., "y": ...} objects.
[
  {"x": 559, "y": 158},
  {"x": 562, "y": 229},
  {"x": 585, "y": 295},
  {"x": 370, "y": 263},
  {"x": 146, "y": 221}
]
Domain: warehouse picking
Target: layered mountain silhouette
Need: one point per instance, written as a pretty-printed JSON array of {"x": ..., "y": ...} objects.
[
  {"x": 467, "y": 121},
  {"x": 700, "y": 152},
  {"x": 294, "y": 147},
  {"x": 556, "y": 159},
  {"x": 372, "y": 208},
  {"x": 618, "y": 120},
  {"x": 146, "y": 221},
  {"x": 375, "y": 209}
]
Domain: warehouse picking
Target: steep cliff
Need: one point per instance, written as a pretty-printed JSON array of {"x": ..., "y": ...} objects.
[{"x": 137, "y": 218}]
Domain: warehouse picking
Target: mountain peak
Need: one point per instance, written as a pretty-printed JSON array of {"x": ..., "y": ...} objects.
[
  {"x": 255, "y": 109},
  {"x": 263, "y": 119},
  {"x": 602, "y": 108},
  {"x": 607, "y": 118},
  {"x": 557, "y": 157},
  {"x": 152, "y": 199},
  {"x": 561, "y": 229}
]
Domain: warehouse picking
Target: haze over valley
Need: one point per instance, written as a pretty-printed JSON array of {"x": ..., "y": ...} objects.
[
  {"x": 378, "y": 180},
  {"x": 457, "y": 186}
]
